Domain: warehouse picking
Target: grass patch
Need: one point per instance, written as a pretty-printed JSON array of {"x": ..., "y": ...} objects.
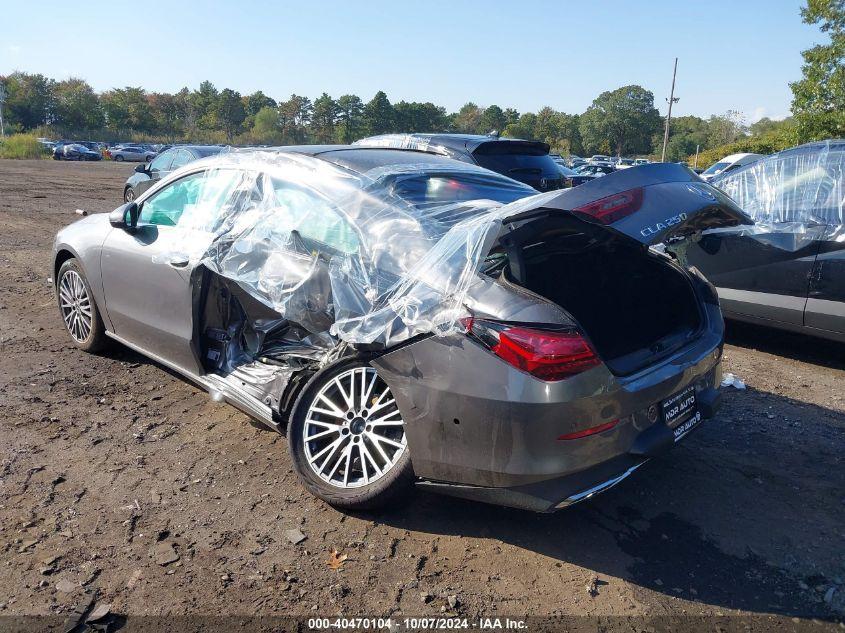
[{"x": 22, "y": 146}]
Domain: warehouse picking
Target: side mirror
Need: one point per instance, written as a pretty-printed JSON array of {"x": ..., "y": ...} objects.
[
  {"x": 142, "y": 168},
  {"x": 125, "y": 217}
]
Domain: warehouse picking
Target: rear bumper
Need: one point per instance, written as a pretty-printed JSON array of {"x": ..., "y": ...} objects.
[
  {"x": 562, "y": 492},
  {"x": 478, "y": 428}
]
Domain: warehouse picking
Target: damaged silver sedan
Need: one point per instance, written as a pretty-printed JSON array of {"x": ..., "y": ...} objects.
[{"x": 407, "y": 319}]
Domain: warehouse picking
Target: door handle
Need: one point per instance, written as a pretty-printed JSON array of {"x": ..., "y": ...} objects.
[{"x": 178, "y": 262}]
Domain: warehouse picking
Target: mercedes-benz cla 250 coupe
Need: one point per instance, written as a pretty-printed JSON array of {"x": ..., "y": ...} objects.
[{"x": 408, "y": 319}]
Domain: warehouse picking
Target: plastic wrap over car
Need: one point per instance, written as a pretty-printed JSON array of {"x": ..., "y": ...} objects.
[
  {"x": 792, "y": 190},
  {"x": 347, "y": 256}
]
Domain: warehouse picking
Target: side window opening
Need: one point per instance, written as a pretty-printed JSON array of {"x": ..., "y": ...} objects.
[
  {"x": 313, "y": 218},
  {"x": 195, "y": 202}
]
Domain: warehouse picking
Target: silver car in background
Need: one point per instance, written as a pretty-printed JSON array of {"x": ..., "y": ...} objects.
[
  {"x": 563, "y": 353},
  {"x": 132, "y": 154}
]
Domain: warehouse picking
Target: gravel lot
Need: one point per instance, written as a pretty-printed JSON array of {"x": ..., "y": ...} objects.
[{"x": 136, "y": 483}]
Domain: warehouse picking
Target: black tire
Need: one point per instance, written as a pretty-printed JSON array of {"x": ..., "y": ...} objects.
[
  {"x": 128, "y": 194},
  {"x": 96, "y": 339},
  {"x": 393, "y": 488},
  {"x": 118, "y": 159}
]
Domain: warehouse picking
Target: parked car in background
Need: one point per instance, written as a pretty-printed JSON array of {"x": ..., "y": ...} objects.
[
  {"x": 596, "y": 170},
  {"x": 572, "y": 177},
  {"x": 526, "y": 161},
  {"x": 133, "y": 154},
  {"x": 579, "y": 354},
  {"x": 75, "y": 151},
  {"x": 641, "y": 161},
  {"x": 161, "y": 166},
  {"x": 729, "y": 163},
  {"x": 624, "y": 163},
  {"x": 599, "y": 158},
  {"x": 788, "y": 271}
]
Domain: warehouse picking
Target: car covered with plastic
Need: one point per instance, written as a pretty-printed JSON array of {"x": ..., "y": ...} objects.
[
  {"x": 788, "y": 270},
  {"x": 411, "y": 320}
]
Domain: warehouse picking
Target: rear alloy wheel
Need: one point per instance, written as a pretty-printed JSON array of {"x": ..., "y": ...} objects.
[
  {"x": 129, "y": 194},
  {"x": 79, "y": 312},
  {"x": 347, "y": 438}
]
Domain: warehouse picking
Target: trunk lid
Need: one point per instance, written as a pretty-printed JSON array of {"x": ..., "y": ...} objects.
[{"x": 649, "y": 204}]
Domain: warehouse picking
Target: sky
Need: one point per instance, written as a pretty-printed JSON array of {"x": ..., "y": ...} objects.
[{"x": 737, "y": 55}]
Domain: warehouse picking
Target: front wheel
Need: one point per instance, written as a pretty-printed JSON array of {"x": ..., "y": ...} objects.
[
  {"x": 129, "y": 194},
  {"x": 79, "y": 312},
  {"x": 118, "y": 158},
  {"x": 347, "y": 439}
]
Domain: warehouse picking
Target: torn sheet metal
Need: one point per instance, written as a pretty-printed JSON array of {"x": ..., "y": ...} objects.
[{"x": 792, "y": 190}]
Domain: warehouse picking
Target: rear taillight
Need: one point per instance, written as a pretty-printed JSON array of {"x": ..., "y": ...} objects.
[
  {"x": 613, "y": 208},
  {"x": 547, "y": 354}
]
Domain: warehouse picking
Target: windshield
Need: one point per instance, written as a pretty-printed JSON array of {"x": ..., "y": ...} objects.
[{"x": 716, "y": 168}]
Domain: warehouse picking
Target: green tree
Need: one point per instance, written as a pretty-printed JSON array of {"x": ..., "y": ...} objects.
[
  {"x": 127, "y": 109},
  {"x": 229, "y": 112},
  {"x": 30, "y": 100},
  {"x": 257, "y": 101},
  {"x": 294, "y": 117},
  {"x": 378, "y": 115},
  {"x": 186, "y": 113},
  {"x": 685, "y": 134},
  {"x": 725, "y": 128},
  {"x": 77, "y": 106},
  {"x": 468, "y": 119},
  {"x": 621, "y": 120},
  {"x": 204, "y": 105},
  {"x": 323, "y": 119},
  {"x": 523, "y": 127},
  {"x": 511, "y": 116},
  {"x": 492, "y": 120},
  {"x": 415, "y": 116},
  {"x": 267, "y": 127},
  {"x": 168, "y": 114},
  {"x": 350, "y": 117},
  {"x": 818, "y": 102}
]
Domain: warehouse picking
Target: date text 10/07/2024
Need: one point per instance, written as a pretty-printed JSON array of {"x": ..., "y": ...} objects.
[{"x": 417, "y": 624}]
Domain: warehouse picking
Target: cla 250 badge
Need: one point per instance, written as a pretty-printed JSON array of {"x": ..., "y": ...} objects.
[{"x": 659, "y": 227}]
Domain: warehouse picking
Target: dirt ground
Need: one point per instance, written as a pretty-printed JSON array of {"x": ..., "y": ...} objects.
[{"x": 136, "y": 483}]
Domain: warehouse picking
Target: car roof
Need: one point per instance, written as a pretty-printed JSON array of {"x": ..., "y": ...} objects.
[
  {"x": 201, "y": 150},
  {"x": 362, "y": 159},
  {"x": 430, "y": 142},
  {"x": 735, "y": 157},
  {"x": 831, "y": 144}
]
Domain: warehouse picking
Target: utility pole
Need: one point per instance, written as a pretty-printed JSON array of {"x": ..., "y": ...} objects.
[
  {"x": 672, "y": 99},
  {"x": 2, "y": 101}
]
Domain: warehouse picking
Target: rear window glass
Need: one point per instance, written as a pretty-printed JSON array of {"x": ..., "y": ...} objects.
[
  {"x": 436, "y": 189},
  {"x": 518, "y": 165},
  {"x": 716, "y": 168}
]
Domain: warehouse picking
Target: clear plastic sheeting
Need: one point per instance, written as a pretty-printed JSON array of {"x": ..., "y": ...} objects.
[
  {"x": 373, "y": 258},
  {"x": 403, "y": 141},
  {"x": 792, "y": 190}
]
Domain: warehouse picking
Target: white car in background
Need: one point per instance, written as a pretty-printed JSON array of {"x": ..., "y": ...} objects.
[
  {"x": 641, "y": 161},
  {"x": 729, "y": 163}
]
